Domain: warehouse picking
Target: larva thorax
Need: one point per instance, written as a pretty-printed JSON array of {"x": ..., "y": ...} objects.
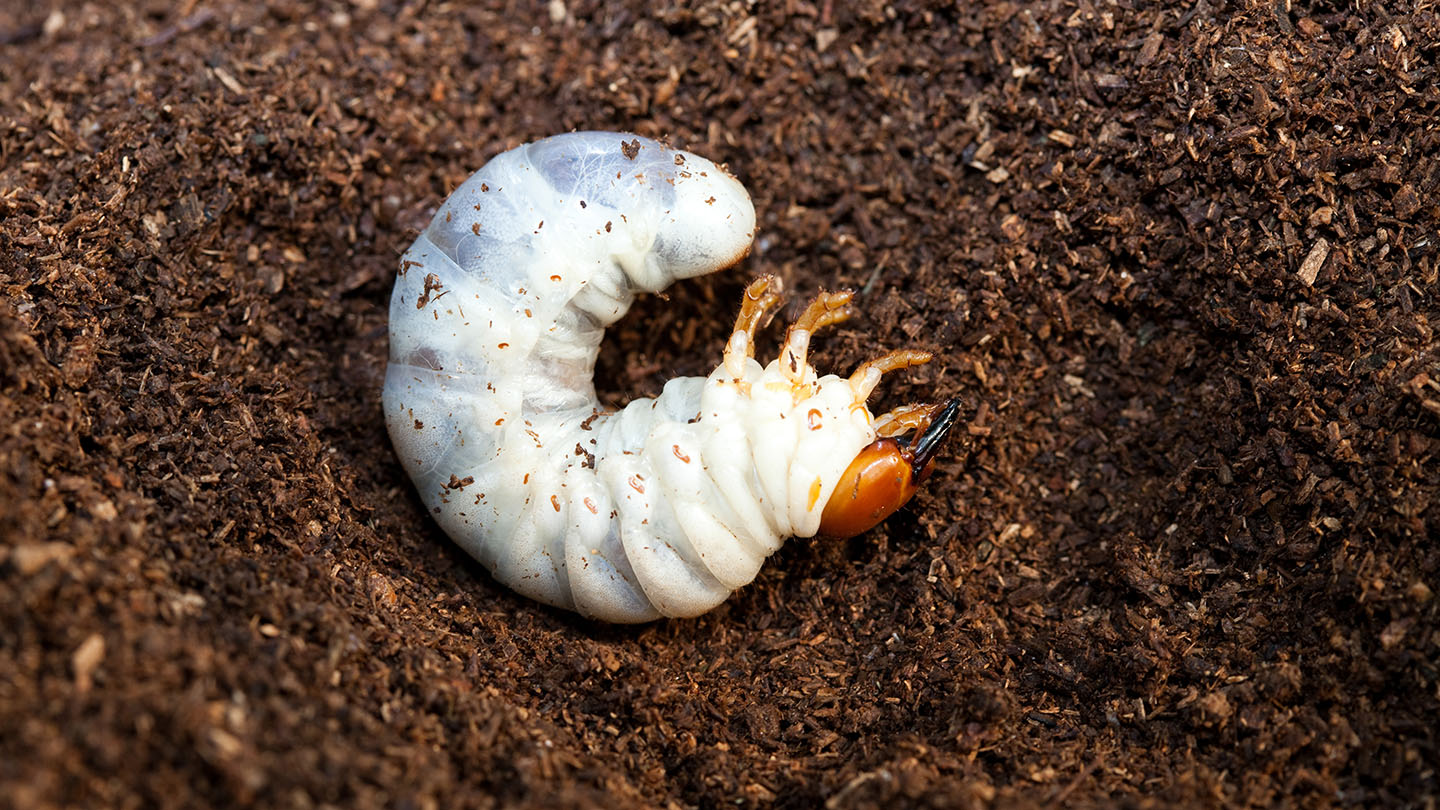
[{"x": 666, "y": 506}]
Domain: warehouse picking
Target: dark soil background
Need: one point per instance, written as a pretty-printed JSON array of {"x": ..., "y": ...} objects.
[{"x": 1180, "y": 262}]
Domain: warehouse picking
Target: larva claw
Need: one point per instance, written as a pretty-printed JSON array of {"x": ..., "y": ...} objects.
[{"x": 928, "y": 439}]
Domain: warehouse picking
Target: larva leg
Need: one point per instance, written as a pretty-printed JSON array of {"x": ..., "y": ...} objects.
[
  {"x": 904, "y": 419},
  {"x": 824, "y": 310},
  {"x": 760, "y": 298},
  {"x": 867, "y": 376}
]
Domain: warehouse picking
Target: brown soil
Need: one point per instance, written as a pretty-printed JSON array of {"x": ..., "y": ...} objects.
[{"x": 1181, "y": 264}]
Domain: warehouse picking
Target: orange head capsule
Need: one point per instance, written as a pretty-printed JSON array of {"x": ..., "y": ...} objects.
[{"x": 883, "y": 477}]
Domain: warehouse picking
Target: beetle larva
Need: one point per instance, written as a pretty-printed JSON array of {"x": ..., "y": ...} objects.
[{"x": 666, "y": 506}]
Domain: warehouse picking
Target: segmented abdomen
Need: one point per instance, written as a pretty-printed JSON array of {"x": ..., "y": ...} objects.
[{"x": 495, "y": 322}]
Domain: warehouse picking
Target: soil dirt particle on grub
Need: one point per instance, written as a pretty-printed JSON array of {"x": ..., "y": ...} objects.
[{"x": 1179, "y": 260}]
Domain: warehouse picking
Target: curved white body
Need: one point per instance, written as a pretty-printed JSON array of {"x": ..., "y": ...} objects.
[{"x": 660, "y": 509}]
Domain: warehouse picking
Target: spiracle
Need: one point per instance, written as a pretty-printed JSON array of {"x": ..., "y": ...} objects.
[{"x": 666, "y": 506}]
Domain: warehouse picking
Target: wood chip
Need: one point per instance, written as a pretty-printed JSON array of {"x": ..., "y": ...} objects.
[
  {"x": 1310, "y": 268},
  {"x": 85, "y": 659},
  {"x": 229, "y": 81},
  {"x": 1150, "y": 49},
  {"x": 28, "y": 558}
]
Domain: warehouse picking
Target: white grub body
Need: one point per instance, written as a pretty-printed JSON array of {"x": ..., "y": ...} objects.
[{"x": 660, "y": 509}]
